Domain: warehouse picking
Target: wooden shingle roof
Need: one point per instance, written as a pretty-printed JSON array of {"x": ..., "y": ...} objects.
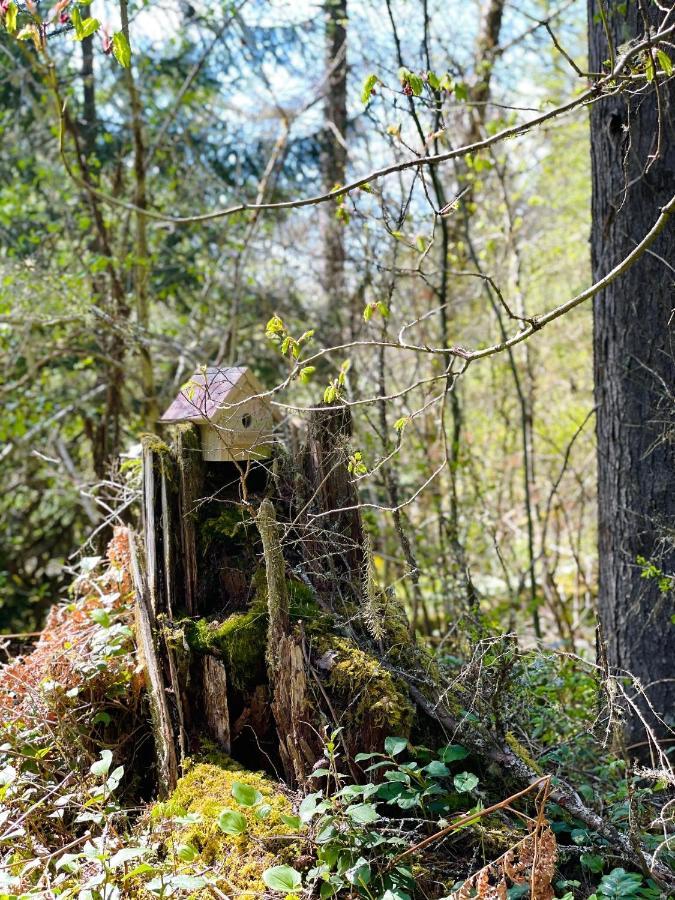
[{"x": 205, "y": 394}]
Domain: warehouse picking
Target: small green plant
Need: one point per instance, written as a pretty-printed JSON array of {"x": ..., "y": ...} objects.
[
  {"x": 622, "y": 885},
  {"x": 353, "y": 826}
]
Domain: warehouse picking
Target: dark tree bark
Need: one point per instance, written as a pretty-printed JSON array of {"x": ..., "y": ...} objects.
[
  {"x": 633, "y": 163},
  {"x": 334, "y": 161}
]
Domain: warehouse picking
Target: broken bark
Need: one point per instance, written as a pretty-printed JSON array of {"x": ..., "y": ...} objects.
[
  {"x": 167, "y": 764},
  {"x": 285, "y": 661},
  {"x": 216, "y": 712}
]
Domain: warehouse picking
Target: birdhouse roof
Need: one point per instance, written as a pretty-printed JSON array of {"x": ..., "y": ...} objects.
[{"x": 203, "y": 397}]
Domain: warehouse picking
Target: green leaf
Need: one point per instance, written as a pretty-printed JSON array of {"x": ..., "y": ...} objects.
[
  {"x": 89, "y": 27},
  {"x": 292, "y": 822},
  {"x": 308, "y": 807},
  {"x": 461, "y": 91},
  {"x": 649, "y": 67},
  {"x": 186, "y": 852},
  {"x": 275, "y": 326},
  {"x": 282, "y": 878},
  {"x": 76, "y": 20},
  {"x": 368, "y": 85},
  {"x": 231, "y": 822},
  {"x": 101, "y": 617},
  {"x": 465, "y": 781},
  {"x": 416, "y": 84},
  {"x": 10, "y": 17},
  {"x": 359, "y": 873},
  {"x": 592, "y": 862},
  {"x": 620, "y": 885},
  {"x": 433, "y": 80},
  {"x": 383, "y": 309},
  {"x": 395, "y": 745},
  {"x": 453, "y": 752},
  {"x": 187, "y": 882},
  {"x": 437, "y": 769},
  {"x": 7, "y": 776},
  {"x": 665, "y": 62},
  {"x": 363, "y": 813},
  {"x": 125, "y": 855},
  {"x": 306, "y": 374},
  {"x": 245, "y": 795},
  {"x": 102, "y": 766},
  {"x": 262, "y": 812},
  {"x": 121, "y": 49}
]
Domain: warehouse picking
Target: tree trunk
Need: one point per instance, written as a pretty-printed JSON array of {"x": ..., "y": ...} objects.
[
  {"x": 633, "y": 163},
  {"x": 334, "y": 161}
]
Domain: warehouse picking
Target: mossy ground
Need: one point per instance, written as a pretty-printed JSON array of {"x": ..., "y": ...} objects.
[{"x": 238, "y": 860}]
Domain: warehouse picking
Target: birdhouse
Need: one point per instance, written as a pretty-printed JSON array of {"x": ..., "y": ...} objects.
[{"x": 235, "y": 421}]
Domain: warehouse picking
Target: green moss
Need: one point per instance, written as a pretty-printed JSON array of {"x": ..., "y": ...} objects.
[
  {"x": 154, "y": 443},
  {"x": 370, "y": 690},
  {"x": 522, "y": 753},
  {"x": 302, "y": 601},
  {"x": 239, "y": 860},
  {"x": 229, "y": 524},
  {"x": 240, "y": 640}
]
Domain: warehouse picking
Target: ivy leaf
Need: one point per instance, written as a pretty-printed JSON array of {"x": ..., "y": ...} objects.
[
  {"x": 231, "y": 822},
  {"x": 121, "y": 49},
  {"x": 464, "y": 782},
  {"x": 368, "y": 86},
  {"x": 282, "y": 878},
  {"x": 395, "y": 745},
  {"x": 245, "y": 795}
]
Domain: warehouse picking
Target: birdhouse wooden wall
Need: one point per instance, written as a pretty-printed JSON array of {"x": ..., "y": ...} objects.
[{"x": 239, "y": 433}]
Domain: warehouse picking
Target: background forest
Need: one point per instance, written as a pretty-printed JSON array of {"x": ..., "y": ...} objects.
[
  {"x": 377, "y": 206},
  {"x": 232, "y": 107}
]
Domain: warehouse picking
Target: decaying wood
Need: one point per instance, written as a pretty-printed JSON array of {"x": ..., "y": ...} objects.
[
  {"x": 285, "y": 662},
  {"x": 190, "y": 488},
  {"x": 165, "y": 750},
  {"x": 149, "y": 524},
  {"x": 216, "y": 712}
]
